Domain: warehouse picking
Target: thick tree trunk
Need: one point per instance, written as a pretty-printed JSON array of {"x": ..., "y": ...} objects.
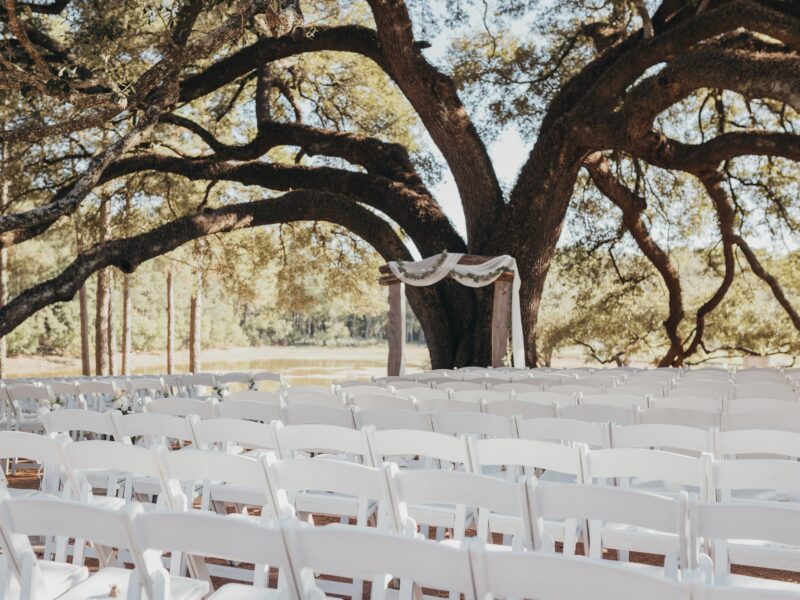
[
  {"x": 127, "y": 341},
  {"x": 195, "y": 329},
  {"x": 170, "y": 324}
]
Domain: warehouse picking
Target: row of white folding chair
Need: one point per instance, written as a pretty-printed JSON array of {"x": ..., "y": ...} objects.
[
  {"x": 299, "y": 552},
  {"x": 606, "y": 468}
]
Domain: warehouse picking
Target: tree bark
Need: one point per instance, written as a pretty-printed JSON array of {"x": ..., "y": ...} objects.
[
  {"x": 86, "y": 353},
  {"x": 101, "y": 334},
  {"x": 112, "y": 338},
  {"x": 196, "y": 327},
  {"x": 5, "y": 184},
  {"x": 127, "y": 341},
  {"x": 170, "y": 323}
]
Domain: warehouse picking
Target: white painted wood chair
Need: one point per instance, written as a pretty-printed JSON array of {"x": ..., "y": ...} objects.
[
  {"x": 206, "y": 535},
  {"x": 182, "y": 407},
  {"x": 250, "y": 410},
  {"x": 382, "y": 401},
  {"x": 763, "y": 479},
  {"x": 379, "y": 556},
  {"x": 312, "y": 414},
  {"x": 673, "y": 438},
  {"x": 599, "y": 413},
  {"x": 521, "y": 408},
  {"x": 748, "y": 405},
  {"x": 414, "y": 448},
  {"x": 749, "y": 442},
  {"x": 687, "y": 403},
  {"x": 555, "y": 577},
  {"x": 565, "y": 431},
  {"x": 474, "y": 423},
  {"x": 756, "y": 534},
  {"x": 546, "y": 398},
  {"x": 620, "y": 519},
  {"x": 388, "y": 418},
  {"x": 700, "y": 419},
  {"x": 99, "y": 395},
  {"x": 350, "y": 444},
  {"x": 44, "y": 452},
  {"x": 42, "y": 579},
  {"x": 234, "y": 436}
]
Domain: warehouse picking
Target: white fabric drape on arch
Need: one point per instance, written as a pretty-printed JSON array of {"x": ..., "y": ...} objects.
[{"x": 435, "y": 268}]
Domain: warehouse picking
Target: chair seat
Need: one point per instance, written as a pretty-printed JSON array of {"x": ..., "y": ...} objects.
[
  {"x": 99, "y": 585},
  {"x": 57, "y": 577},
  {"x": 239, "y": 591}
]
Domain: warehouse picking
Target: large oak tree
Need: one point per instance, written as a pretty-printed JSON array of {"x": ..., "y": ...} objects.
[{"x": 109, "y": 91}]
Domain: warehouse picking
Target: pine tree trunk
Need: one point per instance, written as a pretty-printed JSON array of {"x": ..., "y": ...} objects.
[
  {"x": 5, "y": 182},
  {"x": 101, "y": 334},
  {"x": 195, "y": 330},
  {"x": 112, "y": 338},
  {"x": 127, "y": 342},
  {"x": 170, "y": 324},
  {"x": 86, "y": 355}
]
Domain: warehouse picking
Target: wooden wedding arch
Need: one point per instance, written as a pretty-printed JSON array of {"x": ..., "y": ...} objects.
[{"x": 396, "y": 328}]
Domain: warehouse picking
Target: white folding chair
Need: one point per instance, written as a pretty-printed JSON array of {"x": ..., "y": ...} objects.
[
  {"x": 383, "y": 401},
  {"x": 750, "y": 442},
  {"x": 250, "y": 410},
  {"x": 599, "y": 413},
  {"x": 620, "y": 519},
  {"x": 618, "y": 398},
  {"x": 760, "y": 479},
  {"x": 518, "y": 387},
  {"x": 43, "y": 579},
  {"x": 565, "y": 431},
  {"x": 26, "y": 401},
  {"x": 678, "y": 416},
  {"x": 152, "y": 429},
  {"x": 761, "y": 420},
  {"x": 573, "y": 389},
  {"x": 44, "y": 452},
  {"x": 376, "y": 555},
  {"x": 76, "y": 423},
  {"x": 474, "y": 423},
  {"x": 262, "y": 379},
  {"x": 555, "y": 577},
  {"x": 687, "y": 403},
  {"x": 99, "y": 395},
  {"x": 207, "y": 535},
  {"x": 199, "y": 385},
  {"x": 271, "y": 398},
  {"x": 144, "y": 389},
  {"x": 312, "y": 414},
  {"x": 455, "y": 500},
  {"x": 419, "y": 394},
  {"x": 327, "y": 400},
  {"x": 526, "y": 410},
  {"x": 699, "y": 390},
  {"x": 301, "y": 440},
  {"x": 66, "y": 394},
  {"x": 639, "y": 389},
  {"x": 755, "y": 534},
  {"x": 330, "y": 488},
  {"x": 234, "y": 436},
  {"x": 461, "y": 386},
  {"x": 479, "y": 395},
  {"x": 222, "y": 480},
  {"x": 778, "y": 391},
  {"x": 448, "y": 405},
  {"x": 182, "y": 407},
  {"x": 414, "y": 448},
  {"x": 354, "y": 391},
  {"x": 648, "y": 470},
  {"x": 663, "y": 437},
  {"x": 550, "y": 462},
  {"x": 546, "y": 398},
  {"x": 387, "y": 418},
  {"x": 135, "y": 465},
  {"x": 240, "y": 377},
  {"x": 749, "y": 405}
]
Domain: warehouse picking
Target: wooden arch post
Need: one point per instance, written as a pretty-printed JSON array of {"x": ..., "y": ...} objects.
[{"x": 396, "y": 329}]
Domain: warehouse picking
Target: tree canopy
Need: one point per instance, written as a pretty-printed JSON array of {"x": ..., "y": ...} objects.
[{"x": 662, "y": 138}]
